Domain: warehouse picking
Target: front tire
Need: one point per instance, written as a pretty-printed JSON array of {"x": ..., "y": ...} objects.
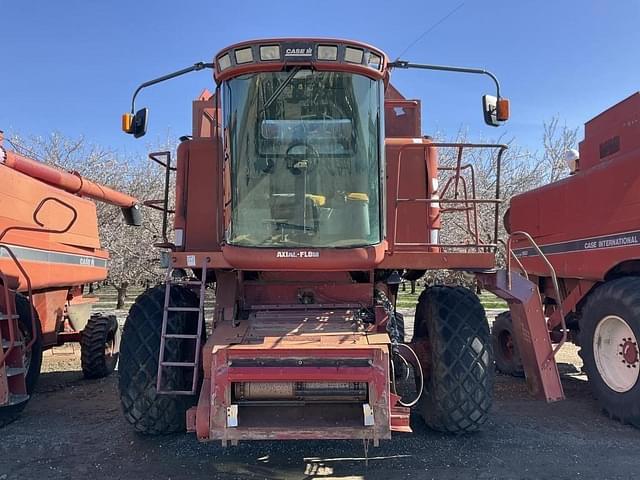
[
  {"x": 505, "y": 349},
  {"x": 143, "y": 408},
  {"x": 99, "y": 346},
  {"x": 459, "y": 391},
  {"x": 609, "y": 333}
]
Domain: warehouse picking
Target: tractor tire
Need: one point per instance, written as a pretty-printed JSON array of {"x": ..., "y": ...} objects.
[
  {"x": 148, "y": 412},
  {"x": 505, "y": 349},
  {"x": 609, "y": 332},
  {"x": 33, "y": 359},
  {"x": 458, "y": 392},
  {"x": 99, "y": 346}
]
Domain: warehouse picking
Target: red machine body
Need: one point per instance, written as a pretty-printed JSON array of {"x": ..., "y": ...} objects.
[
  {"x": 584, "y": 254},
  {"x": 588, "y": 224},
  {"x": 49, "y": 250},
  {"x": 304, "y": 323}
]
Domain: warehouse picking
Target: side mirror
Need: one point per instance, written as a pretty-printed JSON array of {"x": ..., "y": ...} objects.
[
  {"x": 495, "y": 110},
  {"x": 135, "y": 124}
]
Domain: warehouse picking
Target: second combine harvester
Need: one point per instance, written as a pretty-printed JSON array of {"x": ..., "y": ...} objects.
[{"x": 304, "y": 192}]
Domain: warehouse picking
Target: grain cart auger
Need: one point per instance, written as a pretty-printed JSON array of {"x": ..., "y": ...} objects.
[
  {"x": 588, "y": 263},
  {"x": 304, "y": 192},
  {"x": 49, "y": 251}
]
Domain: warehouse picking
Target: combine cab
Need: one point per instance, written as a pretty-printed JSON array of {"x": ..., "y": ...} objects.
[
  {"x": 304, "y": 193},
  {"x": 49, "y": 250},
  {"x": 578, "y": 239}
]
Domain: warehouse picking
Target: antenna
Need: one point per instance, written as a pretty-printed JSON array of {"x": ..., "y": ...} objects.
[{"x": 428, "y": 30}]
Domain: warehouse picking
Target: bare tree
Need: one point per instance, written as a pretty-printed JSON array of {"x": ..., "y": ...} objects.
[
  {"x": 557, "y": 140},
  {"x": 521, "y": 170}
]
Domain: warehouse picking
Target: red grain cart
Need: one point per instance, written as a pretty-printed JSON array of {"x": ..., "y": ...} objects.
[
  {"x": 304, "y": 192},
  {"x": 49, "y": 251},
  {"x": 585, "y": 238}
]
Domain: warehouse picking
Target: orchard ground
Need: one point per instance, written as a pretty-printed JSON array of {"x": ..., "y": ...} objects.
[{"x": 74, "y": 429}]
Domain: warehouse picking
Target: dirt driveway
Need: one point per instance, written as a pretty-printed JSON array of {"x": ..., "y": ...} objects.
[{"x": 73, "y": 429}]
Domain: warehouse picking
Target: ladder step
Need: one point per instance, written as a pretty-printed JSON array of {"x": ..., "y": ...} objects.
[
  {"x": 175, "y": 392},
  {"x": 187, "y": 282},
  {"x": 17, "y": 343},
  {"x": 183, "y": 309},
  {"x": 181, "y": 335},
  {"x": 178, "y": 364},
  {"x": 4, "y": 316},
  {"x": 16, "y": 399},
  {"x": 13, "y": 371}
]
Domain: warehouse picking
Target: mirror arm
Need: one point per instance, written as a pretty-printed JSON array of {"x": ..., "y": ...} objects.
[
  {"x": 447, "y": 68},
  {"x": 194, "y": 68}
]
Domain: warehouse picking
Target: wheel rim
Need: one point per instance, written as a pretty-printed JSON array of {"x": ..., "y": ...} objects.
[
  {"x": 506, "y": 345},
  {"x": 615, "y": 350},
  {"x": 24, "y": 336},
  {"x": 111, "y": 347}
]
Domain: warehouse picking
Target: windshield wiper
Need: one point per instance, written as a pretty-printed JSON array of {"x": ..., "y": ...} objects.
[{"x": 280, "y": 88}]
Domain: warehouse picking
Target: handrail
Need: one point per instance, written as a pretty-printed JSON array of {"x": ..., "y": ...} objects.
[
  {"x": 12, "y": 338},
  {"x": 165, "y": 201},
  {"x": 507, "y": 257},
  {"x": 554, "y": 280},
  {"x": 39, "y": 228}
]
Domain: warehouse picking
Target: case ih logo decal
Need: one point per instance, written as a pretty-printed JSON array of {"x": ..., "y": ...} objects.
[
  {"x": 595, "y": 243},
  {"x": 297, "y": 254},
  {"x": 87, "y": 261},
  {"x": 298, "y": 52}
]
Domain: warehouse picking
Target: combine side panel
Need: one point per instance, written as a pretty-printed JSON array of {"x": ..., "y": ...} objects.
[{"x": 530, "y": 329}]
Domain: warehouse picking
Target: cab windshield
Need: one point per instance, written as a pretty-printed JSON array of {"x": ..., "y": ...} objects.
[{"x": 305, "y": 159}]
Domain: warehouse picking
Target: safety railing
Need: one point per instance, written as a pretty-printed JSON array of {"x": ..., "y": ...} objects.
[{"x": 463, "y": 197}]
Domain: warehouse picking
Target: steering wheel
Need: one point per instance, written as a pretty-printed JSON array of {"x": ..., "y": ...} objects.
[{"x": 298, "y": 163}]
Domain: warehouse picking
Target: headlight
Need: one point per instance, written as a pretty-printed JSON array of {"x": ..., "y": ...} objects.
[
  {"x": 375, "y": 61},
  {"x": 224, "y": 62},
  {"x": 353, "y": 55},
  {"x": 270, "y": 52},
  {"x": 244, "y": 55},
  {"x": 327, "y": 52}
]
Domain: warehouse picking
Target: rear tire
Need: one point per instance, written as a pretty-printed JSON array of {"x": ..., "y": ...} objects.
[
  {"x": 23, "y": 306},
  {"x": 505, "y": 349},
  {"x": 143, "y": 408},
  {"x": 609, "y": 331},
  {"x": 459, "y": 391},
  {"x": 99, "y": 346}
]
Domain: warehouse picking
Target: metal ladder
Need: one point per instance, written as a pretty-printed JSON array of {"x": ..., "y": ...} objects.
[
  {"x": 13, "y": 371},
  {"x": 197, "y": 337},
  {"x": 13, "y": 374}
]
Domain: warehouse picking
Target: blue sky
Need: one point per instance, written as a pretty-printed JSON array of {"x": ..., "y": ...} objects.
[{"x": 71, "y": 65}]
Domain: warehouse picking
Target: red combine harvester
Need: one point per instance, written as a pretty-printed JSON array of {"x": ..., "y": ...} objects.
[
  {"x": 587, "y": 264},
  {"x": 49, "y": 249},
  {"x": 304, "y": 193}
]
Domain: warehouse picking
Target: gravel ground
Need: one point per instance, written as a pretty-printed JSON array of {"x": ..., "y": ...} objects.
[{"x": 73, "y": 429}]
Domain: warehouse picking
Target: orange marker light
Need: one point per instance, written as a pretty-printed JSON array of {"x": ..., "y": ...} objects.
[
  {"x": 502, "y": 114},
  {"x": 127, "y": 121}
]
